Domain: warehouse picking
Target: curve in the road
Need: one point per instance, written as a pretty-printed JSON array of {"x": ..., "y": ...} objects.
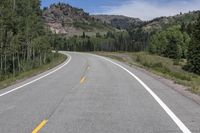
[
  {"x": 178, "y": 122},
  {"x": 111, "y": 88}
]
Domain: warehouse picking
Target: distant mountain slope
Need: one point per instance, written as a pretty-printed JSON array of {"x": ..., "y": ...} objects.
[
  {"x": 64, "y": 19},
  {"x": 164, "y": 22},
  {"x": 118, "y": 21}
]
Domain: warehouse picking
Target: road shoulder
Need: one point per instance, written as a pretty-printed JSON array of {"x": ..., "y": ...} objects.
[{"x": 183, "y": 90}]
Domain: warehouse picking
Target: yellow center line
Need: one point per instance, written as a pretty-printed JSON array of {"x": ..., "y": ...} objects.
[
  {"x": 82, "y": 80},
  {"x": 37, "y": 129}
]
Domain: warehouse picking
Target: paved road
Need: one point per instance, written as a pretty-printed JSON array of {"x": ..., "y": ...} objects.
[{"x": 89, "y": 94}]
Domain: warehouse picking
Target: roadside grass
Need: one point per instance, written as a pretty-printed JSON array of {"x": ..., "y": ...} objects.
[
  {"x": 165, "y": 67},
  {"x": 58, "y": 59}
]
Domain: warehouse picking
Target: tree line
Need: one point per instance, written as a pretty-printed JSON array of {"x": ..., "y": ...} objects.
[
  {"x": 24, "y": 41},
  {"x": 117, "y": 41}
]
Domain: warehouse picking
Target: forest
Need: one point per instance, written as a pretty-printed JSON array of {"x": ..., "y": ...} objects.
[
  {"x": 24, "y": 41},
  {"x": 111, "y": 41}
]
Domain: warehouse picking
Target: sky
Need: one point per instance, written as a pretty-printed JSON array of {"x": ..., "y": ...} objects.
[{"x": 143, "y": 9}]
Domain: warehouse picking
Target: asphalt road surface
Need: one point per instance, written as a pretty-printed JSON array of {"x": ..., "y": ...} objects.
[{"x": 91, "y": 94}]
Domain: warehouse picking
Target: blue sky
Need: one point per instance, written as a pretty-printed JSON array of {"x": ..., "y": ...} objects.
[
  {"x": 143, "y": 9},
  {"x": 91, "y": 6}
]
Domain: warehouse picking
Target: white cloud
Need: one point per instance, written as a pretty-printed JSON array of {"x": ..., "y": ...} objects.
[{"x": 146, "y": 9}]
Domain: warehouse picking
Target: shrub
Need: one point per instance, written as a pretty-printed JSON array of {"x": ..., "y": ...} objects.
[
  {"x": 176, "y": 62},
  {"x": 138, "y": 58}
]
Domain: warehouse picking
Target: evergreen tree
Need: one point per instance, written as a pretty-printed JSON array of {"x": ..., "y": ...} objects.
[{"x": 193, "y": 57}]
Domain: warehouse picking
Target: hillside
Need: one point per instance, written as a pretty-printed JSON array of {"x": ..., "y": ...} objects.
[
  {"x": 64, "y": 19},
  {"x": 164, "y": 22},
  {"x": 118, "y": 21}
]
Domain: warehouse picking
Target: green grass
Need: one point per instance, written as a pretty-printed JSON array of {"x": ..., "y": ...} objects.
[
  {"x": 84, "y": 26},
  {"x": 168, "y": 68},
  {"x": 60, "y": 58},
  {"x": 92, "y": 26}
]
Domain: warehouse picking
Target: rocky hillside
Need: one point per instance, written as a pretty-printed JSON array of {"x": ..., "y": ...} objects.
[
  {"x": 64, "y": 19},
  {"x": 118, "y": 21}
]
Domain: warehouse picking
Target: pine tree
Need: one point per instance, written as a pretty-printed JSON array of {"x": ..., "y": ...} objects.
[{"x": 193, "y": 57}]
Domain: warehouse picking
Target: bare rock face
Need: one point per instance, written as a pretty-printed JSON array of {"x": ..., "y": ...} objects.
[
  {"x": 64, "y": 12},
  {"x": 64, "y": 19}
]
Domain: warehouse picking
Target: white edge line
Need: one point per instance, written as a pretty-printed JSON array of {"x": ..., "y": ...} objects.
[
  {"x": 178, "y": 122},
  {"x": 3, "y": 94}
]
